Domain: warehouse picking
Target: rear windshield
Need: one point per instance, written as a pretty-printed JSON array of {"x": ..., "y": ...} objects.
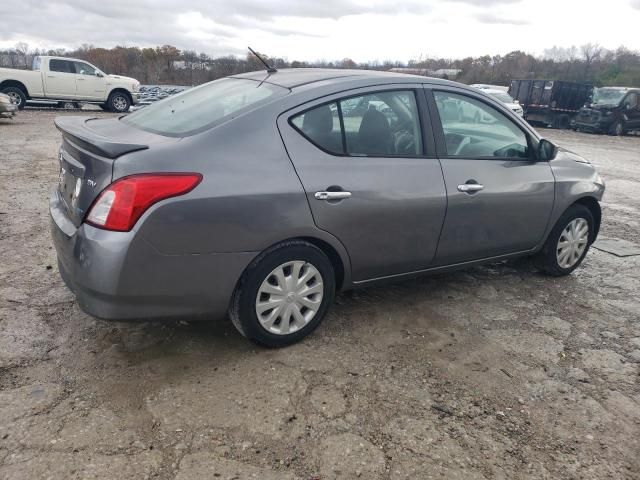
[{"x": 203, "y": 107}]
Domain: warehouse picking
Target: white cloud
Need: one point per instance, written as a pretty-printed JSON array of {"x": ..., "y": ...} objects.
[{"x": 328, "y": 29}]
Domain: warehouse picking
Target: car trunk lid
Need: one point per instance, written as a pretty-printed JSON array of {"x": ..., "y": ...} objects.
[{"x": 90, "y": 146}]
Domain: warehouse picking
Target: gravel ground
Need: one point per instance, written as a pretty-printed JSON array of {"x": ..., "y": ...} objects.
[{"x": 492, "y": 372}]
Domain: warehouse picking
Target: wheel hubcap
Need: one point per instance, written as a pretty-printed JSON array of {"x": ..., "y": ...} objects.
[
  {"x": 120, "y": 103},
  {"x": 572, "y": 242},
  {"x": 17, "y": 99},
  {"x": 289, "y": 297}
]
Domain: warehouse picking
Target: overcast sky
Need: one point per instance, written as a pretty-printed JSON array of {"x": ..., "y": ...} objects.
[{"x": 325, "y": 29}]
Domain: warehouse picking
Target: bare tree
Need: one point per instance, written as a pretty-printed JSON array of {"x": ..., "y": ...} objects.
[
  {"x": 23, "y": 49},
  {"x": 591, "y": 53}
]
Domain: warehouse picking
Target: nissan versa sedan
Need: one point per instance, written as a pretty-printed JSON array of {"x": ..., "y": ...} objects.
[{"x": 263, "y": 194}]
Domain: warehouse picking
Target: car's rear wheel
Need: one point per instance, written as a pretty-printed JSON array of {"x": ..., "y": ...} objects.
[
  {"x": 119, "y": 102},
  {"x": 17, "y": 95},
  {"x": 568, "y": 242},
  {"x": 284, "y": 294}
]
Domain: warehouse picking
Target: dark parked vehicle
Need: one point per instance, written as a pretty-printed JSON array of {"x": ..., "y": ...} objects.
[
  {"x": 552, "y": 103},
  {"x": 614, "y": 110},
  {"x": 258, "y": 195}
]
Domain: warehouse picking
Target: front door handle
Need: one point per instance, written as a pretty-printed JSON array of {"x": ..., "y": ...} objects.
[
  {"x": 341, "y": 195},
  {"x": 470, "y": 187}
]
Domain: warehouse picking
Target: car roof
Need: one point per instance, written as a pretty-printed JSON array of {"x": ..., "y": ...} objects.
[
  {"x": 621, "y": 89},
  {"x": 296, "y": 77}
]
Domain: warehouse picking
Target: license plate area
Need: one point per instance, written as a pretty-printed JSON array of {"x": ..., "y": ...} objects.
[{"x": 69, "y": 180}]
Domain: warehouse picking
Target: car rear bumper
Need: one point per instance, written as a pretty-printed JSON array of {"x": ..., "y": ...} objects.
[{"x": 120, "y": 276}]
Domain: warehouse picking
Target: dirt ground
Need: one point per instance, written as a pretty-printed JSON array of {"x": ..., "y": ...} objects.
[{"x": 492, "y": 372}]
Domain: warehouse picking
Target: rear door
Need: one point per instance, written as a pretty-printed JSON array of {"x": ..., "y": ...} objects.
[
  {"x": 367, "y": 162},
  {"x": 88, "y": 84},
  {"x": 60, "y": 79},
  {"x": 499, "y": 197}
]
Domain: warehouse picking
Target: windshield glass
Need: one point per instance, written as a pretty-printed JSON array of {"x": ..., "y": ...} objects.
[
  {"x": 200, "y": 108},
  {"x": 608, "y": 96},
  {"x": 503, "y": 97}
]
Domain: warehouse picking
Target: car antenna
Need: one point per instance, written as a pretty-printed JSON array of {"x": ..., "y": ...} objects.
[{"x": 270, "y": 69}]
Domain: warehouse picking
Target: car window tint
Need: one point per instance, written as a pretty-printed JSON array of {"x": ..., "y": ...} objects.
[
  {"x": 203, "y": 107},
  {"x": 382, "y": 124},
  {"x": 84, "y": 68},
  {"x": 63, "y": 66},
  {"x": 475, "y": 129},
  {"x": 321, "y": 125},
  {"x": 631, "y": 100}
]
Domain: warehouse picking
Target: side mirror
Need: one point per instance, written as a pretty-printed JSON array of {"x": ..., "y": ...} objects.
[
  {"x": 546, "y": 150},
  {"x": 99, "y": 74}
]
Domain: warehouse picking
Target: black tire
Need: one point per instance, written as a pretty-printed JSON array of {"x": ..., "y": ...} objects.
[
  {"x": 16, "y": 92},
  {"x": 119, "y": 102},
  {"x": 242, "y": 309},
  {"x": 564, "y": 122},
  {"x": 104, "y": 107},
  {"x": 617, "y": 128},
  {"x": 546, "y": 260}
]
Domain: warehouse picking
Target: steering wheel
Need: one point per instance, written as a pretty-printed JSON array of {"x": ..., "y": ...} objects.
[{"x": 465, "y": 141}]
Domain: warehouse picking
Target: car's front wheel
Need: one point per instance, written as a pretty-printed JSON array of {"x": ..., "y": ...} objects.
[
  {"x": 617, "y": 129},
  {"x": 284, "y": 294},
  {"x": 568, "y": 242},
  {"x": 119, "y": 102}
]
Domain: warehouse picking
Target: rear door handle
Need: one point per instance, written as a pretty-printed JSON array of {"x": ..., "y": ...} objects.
[
  {"x": 332, "y": 195},
  {"x": 470, "y": 187}
]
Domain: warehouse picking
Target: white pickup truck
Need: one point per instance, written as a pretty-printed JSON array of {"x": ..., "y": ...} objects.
[{"x": 68, "y": 79}]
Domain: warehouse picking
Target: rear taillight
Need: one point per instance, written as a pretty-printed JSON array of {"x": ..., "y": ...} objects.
[{"x": 121, "y": 204}]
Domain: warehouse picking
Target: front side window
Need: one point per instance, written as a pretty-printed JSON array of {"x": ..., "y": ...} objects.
[
  {"x": 84, "y": 68},
  {"x": 200, "y": 108},
  {"x": 631, "y": 101},
  {"x": 63, "y": 66},
  {"x": 475, "y": 129},
  {"x": 376, "y": 124}
]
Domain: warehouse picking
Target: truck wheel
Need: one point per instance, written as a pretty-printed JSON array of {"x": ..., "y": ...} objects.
[
  {"x": 119, "y": 102},
  {"x": 104, "y": 107},
  {"x": 69, "y": 105},
  {"x": 17, "y": 95},
  {"x": 617, "y": 129},
  {"x": 564, "y": 122}
]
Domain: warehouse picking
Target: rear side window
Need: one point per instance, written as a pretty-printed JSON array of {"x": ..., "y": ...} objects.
[
  {"x": 378, "y": 124},
  {"x": 203, "y": 107},
  {"x": 474, "y": 129},
  {"x": 321, "y": 126},
  {"x": 63, "y": 66}
]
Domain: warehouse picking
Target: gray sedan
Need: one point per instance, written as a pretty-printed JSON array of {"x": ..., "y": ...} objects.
[{"x": 263, "y": 194}]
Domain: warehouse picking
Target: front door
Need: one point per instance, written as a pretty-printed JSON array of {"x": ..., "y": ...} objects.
[
  {"x": 89, "y": 85},
  {"x": 631, "y": 111},
  {"x": 371, "y": 177},
  {"x": 499, "y": 197}
]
